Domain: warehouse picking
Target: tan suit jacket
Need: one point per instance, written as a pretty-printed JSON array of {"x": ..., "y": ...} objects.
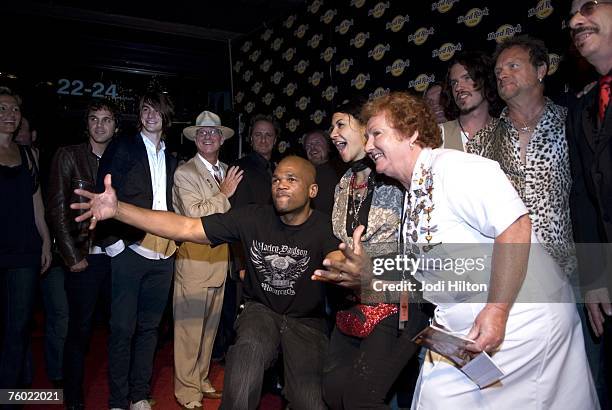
[{"x": 196, "y": 194}]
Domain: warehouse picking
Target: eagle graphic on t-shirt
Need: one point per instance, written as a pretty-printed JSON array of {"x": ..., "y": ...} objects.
[{"x": 278, "y": 270}]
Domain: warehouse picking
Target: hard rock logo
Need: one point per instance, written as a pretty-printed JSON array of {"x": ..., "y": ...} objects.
[
  {"x": 247, "y": 75},
  {"x": 359, "y": 81},
  {"x": 344, "y": 65},
  {"x": 290, "y": 89},
  {"x": 267, "y": 99},
  {"x": 301, "y": 66},
  {"x": 446, "y": 51},
  {"x": 554, "y": 60},
  {"x": 239, "y": 97},
  {"x": 249, "y": 107},
  {"x": 289, "y": 21},
  {"x": 378, "y": 52},
  {"x": 315, "y": 78},
  {"x": 357, "y": 3},
  {"x": 443, "y": 5},
  {"x": 265, "y": 36},
  {"x": 277, "y": 77},
  {"x": 420, "y": 36},
  {"x": 344, "y": 26},
  {"x": 246, "y": 47},
  {"x": 503, "y": 32},
  {"x": 265, "y": 66},
  {"x": 288, "y": 54},
  {"x": 302, "y": 103},
  {"x": 279, "y": 111},
  {"x": 542, "y": 10},
  {"x": 292, "y": 124},
  {"x": 315, "y": 6},
  {"x": 379, "y": 92},
  {"x": 255, "y": 55},
  {"x": 421, "y": 82},
  {"x": 276, "y": 44},
  {"x": 256, "y": 88},
  {"x": 317, "y": 116},
  {"x": 283, "y": 146},
  {"x": 473, "y": 17},
  {"x": 359, "y": 40},
  {"x": 315, "y": 40},
  {"x": 397, "y": 23},
  {"x": 328, "y": 54},
  {"x": 301, "y": 30},
  {"x": 328, "y": 16},
  {"x": 329, "y": 93},
  {"x": 397, "y": 68},
  {"x": 238, "y": 66},
  {"x": 379, "y": 9}
]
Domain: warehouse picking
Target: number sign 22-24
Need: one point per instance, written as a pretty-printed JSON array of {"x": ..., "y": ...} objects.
[{"x": 77, "y": 87}]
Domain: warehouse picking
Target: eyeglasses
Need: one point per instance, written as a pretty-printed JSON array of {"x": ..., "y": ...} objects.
[
  {"x": 210, "y": 132},
  {"x": 588, "y": 8}
]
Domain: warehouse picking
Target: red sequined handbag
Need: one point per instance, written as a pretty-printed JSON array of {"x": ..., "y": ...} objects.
[{"x": 360, "y": 320}]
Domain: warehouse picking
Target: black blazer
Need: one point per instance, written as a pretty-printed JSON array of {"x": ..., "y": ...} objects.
[
  {"x": 126, "y": 160},
  {"x": 590, "y": 151}
]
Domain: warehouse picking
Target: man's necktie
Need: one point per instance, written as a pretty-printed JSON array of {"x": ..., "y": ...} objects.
[
  {"x": 604, "y": 95},
  {"x": 217, "y": 174}
]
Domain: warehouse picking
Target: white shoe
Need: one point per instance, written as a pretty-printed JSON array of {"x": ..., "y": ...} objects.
[
  {"x": 193, "y": 405},
  {"x": 140, "y": 405}
]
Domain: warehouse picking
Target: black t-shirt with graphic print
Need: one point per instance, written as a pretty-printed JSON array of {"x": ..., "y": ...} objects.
[{"x": 280, "y": 258}]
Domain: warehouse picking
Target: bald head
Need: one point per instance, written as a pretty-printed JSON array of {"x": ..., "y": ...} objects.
[{"x": 301, "y": 165}]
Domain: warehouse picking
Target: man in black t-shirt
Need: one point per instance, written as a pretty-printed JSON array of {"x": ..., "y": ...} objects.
[{"x": 284, "y": 245}]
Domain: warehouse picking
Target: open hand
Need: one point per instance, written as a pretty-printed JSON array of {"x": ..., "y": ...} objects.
[
  {"x": 100, "y": 206},
  {"x": 231, "y": 181}
]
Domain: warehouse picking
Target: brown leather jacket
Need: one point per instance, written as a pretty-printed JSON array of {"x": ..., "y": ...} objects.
[{"x": 70, "y": 164}]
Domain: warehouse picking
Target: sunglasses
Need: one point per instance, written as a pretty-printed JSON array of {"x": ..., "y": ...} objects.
[{"x": 588, "y": 8}]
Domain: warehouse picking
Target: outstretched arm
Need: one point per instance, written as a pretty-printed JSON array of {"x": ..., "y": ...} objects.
[{"x": 161, "y": 223}]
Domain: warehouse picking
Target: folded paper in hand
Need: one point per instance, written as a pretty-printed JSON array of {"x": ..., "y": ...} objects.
[{"x": 479, "y": 367}]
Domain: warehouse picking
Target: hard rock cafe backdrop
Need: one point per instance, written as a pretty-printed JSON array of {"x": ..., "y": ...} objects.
[{"x": 300, "y": 68}]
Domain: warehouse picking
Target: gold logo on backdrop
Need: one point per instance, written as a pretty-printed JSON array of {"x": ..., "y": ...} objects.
[
  {"x": 289, "y": 21},
  {"x": 238, "y": 66},
  {"x": 249, "y": 107},
  {"x": 542, "y": 10},
  {"x": 329, "y": 93},
  {"x": 344, "y": 26},
  {"x": 239, "y": 97},
  {"x": 378, "y": 52},
  {"x": 328, "y": 16},
  {"x": 473, "y": 17},
  {"x": 317, "y": 116},
  {"x": 421, "y": 82},
  {"x": 397, "y": 68},
  {"x": 554, "y": 60},
  {"x": 290, "y": 89},
  {"x": 301, "y": 66},
  {"x": 256, "y": 87},
  {"x": 315, "y": 40},
  {"x": 283, "y": 146},
  {"x": 359, "y": 81},
  {"x": 289, "y": 53},
  {"x": 267, "y": 99},
  {"x": 246, "y": 46},
  {"x": 420, "y": 36},
  {"x": 301, "y": 30},
  {"x": 277, "y": 77},
  {"x": 315, "y": 6},
  {"x": 279, "y": 111},
  {"x": 344, "y": 65},
  {"x": 276, "y": 44},
  {"x": 503, "y": 32},
  {"x": 265, "y": 36},
  {"x": 379, "y": 92},
  {"x": 397, "y": 23},
  {"x": 443, "y": 5},
  {"x": 292, "y": 124},
  {"x": 302, "y": 103},
  {"x": 255, "y": 55},
  {"x": 265, "y": 66},
  {"x": 446, "y": 51},
  {"x": 316, "y": 78},
  {"x": 359, "y": 40},
  {"x": 247, "y": 75},
  {"x": 328, "y": 54},
  {"x": 357, "y": 3},
  {"x": 379, "y": 9}
]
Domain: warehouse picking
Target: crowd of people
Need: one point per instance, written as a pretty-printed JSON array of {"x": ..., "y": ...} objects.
[{"x": 271, "y": 265}]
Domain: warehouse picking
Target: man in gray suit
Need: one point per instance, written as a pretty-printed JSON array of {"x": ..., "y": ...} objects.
[{"x": 202, "y": 186}]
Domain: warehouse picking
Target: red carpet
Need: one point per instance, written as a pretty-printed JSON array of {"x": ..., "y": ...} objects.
[{"x": 96, "y": 387}]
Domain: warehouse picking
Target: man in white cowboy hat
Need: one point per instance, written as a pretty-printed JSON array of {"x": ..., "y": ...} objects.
[{"x": 202, "y": 186}]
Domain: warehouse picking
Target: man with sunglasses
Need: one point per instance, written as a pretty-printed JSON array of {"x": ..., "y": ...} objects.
[{"x": 589, "y": 130}]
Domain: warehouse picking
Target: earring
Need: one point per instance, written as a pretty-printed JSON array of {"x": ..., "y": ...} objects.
[
  {"x": 411, "y": 146},
  {"x": 540, "y": 80}
]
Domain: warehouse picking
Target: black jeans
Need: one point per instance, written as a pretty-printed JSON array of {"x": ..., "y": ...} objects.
[
  {"x": 139, "y": 293},
  {"x": 359, "y": 373},
  {"x": 83, "y": 290},
  {"x": 260, "y": 333}
]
